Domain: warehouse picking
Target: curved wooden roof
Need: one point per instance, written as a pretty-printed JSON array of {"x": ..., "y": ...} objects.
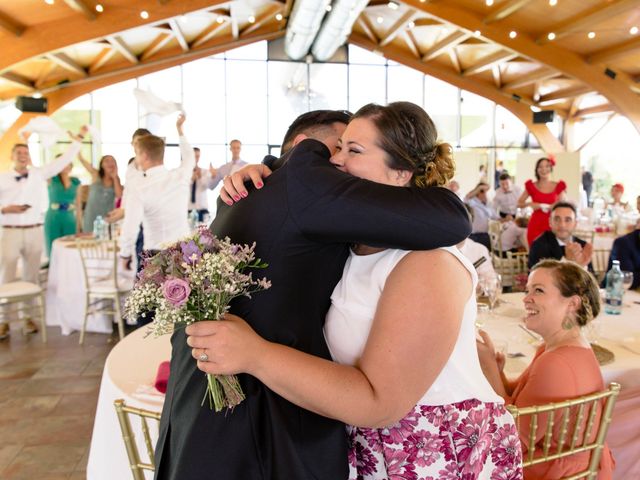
[{"x": 502, "y": 52}]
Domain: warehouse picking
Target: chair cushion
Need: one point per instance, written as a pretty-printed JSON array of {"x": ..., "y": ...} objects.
[{"x": 19, "y": 289}]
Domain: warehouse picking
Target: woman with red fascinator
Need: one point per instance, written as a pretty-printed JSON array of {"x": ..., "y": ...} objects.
[{"x": 543, "y": 193}]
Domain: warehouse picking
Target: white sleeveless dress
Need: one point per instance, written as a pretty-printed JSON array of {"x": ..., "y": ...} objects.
[{"x": 458, "y": 429}]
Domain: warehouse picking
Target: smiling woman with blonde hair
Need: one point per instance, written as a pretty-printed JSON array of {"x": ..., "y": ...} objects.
[{"x": 561, "y": 298}]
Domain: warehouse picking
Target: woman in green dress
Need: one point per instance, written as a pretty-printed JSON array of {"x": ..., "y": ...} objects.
[
  {"x": 103, "y": 191},
  {"x": 60, "y": 219}
]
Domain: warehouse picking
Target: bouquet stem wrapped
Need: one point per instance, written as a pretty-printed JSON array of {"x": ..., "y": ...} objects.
[{"x": 194, "y": 280}]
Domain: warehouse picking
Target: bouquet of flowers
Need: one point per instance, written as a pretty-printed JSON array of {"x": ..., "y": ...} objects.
[{"x": 192, "y": 280}]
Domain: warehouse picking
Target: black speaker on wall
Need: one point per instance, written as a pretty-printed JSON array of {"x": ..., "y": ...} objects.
[
  {"x": 544, "y": 116},
  {"x": 31, "y": 104}
]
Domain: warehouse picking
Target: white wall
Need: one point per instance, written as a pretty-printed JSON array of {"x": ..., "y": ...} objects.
[{"x": 467, "y": 165}]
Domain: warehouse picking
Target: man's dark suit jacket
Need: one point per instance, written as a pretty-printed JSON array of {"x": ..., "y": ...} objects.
[
  {"x": 302, "y": 221},
  {"x": 546, "y": 246},
  {"x": 627, "y": 249}
]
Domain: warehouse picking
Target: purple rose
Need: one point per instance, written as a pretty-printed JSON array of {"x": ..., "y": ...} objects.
[
  {"x": 176, "y": 291},
  {"x": 190, "y": 252}
]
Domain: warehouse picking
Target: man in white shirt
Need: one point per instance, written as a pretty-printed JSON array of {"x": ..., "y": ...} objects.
[
  {"x": 23, "y": 201},
  {"x": 505, "y": 201},
  {"x": 478, "y": 254},
  {"x": 201, "y": 182},
  {"x": 233, "y": 166},
  {"x": 482, "y": 213},
  {"x": 159, "y": 198}
]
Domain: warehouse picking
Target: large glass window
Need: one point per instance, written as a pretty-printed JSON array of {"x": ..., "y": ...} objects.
[
  {"x": 476, "y": 120},
  {"x": 441, "y": 103}
]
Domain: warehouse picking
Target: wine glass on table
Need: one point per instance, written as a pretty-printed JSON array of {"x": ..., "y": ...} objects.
[
  {"x": 627, "y": 279},
  {"x": 492, "y": 287}
]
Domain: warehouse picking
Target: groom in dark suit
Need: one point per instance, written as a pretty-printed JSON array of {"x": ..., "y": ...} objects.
[{"x": 303, "y": 222}]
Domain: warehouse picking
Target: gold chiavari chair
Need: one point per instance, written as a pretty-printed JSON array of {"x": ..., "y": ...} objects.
[
  {"x": 100, "y": 266},
  {"x": 576, "y": 433},
  {"x": 23, "y": 298},
  {"x": 513, "y": 267},
  {"x": 124, "y": 413}
]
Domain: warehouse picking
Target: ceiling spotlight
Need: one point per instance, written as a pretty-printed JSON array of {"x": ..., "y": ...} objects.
[
  {"x": 477, "y": 33},
  {"x": 49, "y": 2},
  {"x": 513, "y": 34},
  {"x": 99, "y": 8},
  {"x": 144, "y": 14},
  {"x": 633, "y": 30},
  {"x": 410, "y": 25},
  {"x": 393, "y": 5},
  {"x": 553, "y": 3},
  {"x": 379, "y": 19},
  {"x": 489, "y": 3},
  {"x": 551, "y": 36},
  {"x": 220, "y": 19},
  {"x": 591, "y": 34},
  {"x": 251, "y": 19},
  {"x": 279, "y": 17},
  {"x": 328, "y": 8}
]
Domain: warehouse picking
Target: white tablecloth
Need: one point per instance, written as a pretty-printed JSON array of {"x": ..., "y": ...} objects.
[
  {"x": 66, "y": 293},
  {"x": 129, "y": 373}
]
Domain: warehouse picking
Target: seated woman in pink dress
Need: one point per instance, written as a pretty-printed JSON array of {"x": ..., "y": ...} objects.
[
  {"x": 544, "y": 192},
  {"x": 561, "y": 298}
]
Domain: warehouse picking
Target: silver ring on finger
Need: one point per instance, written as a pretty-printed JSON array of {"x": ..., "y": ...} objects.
[{"x": 203, "y": 357}]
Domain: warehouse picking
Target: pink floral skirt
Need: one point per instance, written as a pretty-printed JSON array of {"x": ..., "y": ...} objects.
[{"x": 465, "y": 440}]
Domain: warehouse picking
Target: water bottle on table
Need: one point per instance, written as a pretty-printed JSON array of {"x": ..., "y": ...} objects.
[
  {"x": 99, "y": 228},
  {"x": 615, "y": 290}
]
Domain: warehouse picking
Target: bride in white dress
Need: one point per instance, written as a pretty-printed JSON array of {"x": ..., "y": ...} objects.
[{"x": 400, "y": 330}]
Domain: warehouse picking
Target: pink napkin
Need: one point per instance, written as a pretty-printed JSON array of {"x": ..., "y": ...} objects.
[{"x": 162, "y": 377}]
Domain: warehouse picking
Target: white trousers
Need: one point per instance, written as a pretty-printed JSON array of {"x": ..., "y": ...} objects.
[{"x": 25, "y": 243}]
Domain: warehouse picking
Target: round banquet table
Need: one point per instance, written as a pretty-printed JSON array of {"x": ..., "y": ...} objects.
[
  {"x": 618, "y": 333},
  {"x": 129, "y": 373},
  {"x": 66, "y": 292}
]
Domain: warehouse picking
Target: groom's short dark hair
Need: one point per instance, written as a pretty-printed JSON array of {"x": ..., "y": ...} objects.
[{"x": 309, "y": 123}]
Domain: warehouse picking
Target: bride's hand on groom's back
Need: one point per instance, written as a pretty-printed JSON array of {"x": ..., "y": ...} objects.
[
  {"x": 233, "y": 188},
  {"x": 231, "y": 345}
]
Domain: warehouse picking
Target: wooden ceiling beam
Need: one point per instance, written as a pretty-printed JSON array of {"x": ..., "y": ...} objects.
[
  {"x": 103, "y": 57},
  {"x": 615, "y": 52},
  {"x": 397, "y": 27},
  {"x": 411, "y": 42},
  {"x": 367, "y": 26},
  {"x": 446, "y": 43},
  {"x": 505, "y": 9},
  {"x": 177, "y": 32},
  {"x": 619, "y": 91},
  {"x": 520, "y": 109},
  {"x": 605, "y": 108},
  {"x": 564, "y": 94},
  {"x": 583, "y": 21},
  {"x": 57, "y": 34},
  {"x": 65, "y": 61},
  {"x": 497, "y": 75},
  {"x": 455, "y": 61},
  {"x": 123, "y": 49},
  {"x": 18, "y": 80},
  {"x": 11, "y": 25},
  {"x": 81, "y": 6},
  {"x": 532, "y": 77},
  {"x": 156, "y": 45},
  {"x": 263, "y": 18},
  {"x": 426, "y": 22},
  {"x": 208, "y": 33},
  {"x": 489, "y": 61}
]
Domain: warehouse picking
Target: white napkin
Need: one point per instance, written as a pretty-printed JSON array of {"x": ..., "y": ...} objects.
[
  {"x": 48, "y": 130},
  {"x": 154, "y": 104}
]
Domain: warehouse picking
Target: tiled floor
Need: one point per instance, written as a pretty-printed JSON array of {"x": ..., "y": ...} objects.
[{"x": 48, "y": 396}]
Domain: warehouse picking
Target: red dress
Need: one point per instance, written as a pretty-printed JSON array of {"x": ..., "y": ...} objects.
[{"x": 539, "y": 221}]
